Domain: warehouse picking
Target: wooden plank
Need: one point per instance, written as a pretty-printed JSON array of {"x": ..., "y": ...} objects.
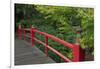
[{"x": 26, "y": 54}]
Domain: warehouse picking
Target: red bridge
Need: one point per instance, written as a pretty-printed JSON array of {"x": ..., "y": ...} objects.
[{"x": 78, "y": 53}]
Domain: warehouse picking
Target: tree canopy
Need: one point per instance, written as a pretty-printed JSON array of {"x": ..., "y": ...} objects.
[{"x": 61, "y": 21}]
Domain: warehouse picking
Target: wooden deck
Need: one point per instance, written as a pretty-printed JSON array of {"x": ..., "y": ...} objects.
[{"x": 26, "y": 54}]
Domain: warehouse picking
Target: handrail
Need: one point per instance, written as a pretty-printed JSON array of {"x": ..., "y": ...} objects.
[
  {"x": 77, "y": 50},
  {"x": 55, "y": 38},
  {"x": 52, "y": 49}
]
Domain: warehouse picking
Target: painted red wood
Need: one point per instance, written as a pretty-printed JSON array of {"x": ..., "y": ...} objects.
[
  {"x": 55, "y": 39},
  {"x": 78, "y": 52},
  {"x": 55, "y": 51},
  {"x": 32, "y": 36},
  {"x": 46, "y": 48}
]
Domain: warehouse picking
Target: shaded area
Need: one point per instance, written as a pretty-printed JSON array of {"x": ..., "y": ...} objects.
[{"x": 26, "y": 54}]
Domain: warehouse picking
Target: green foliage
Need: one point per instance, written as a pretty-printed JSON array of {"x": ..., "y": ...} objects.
[
  {"x": 57, "y": 17},
  {"x": 87, "y": 15},
  {"x": 62, "y": 22}
]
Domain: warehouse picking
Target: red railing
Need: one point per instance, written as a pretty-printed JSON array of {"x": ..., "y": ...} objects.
[{"x": 78, "y": 52}]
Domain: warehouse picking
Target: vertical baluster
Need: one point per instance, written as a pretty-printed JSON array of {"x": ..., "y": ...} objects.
[
  {"x": 46, "y": 48},
  {"x": 32, "y": 36},
  {"x": 78, "y": 52}
]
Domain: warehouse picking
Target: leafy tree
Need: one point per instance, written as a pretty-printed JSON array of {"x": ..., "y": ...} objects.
[
  {"x": 87, "y": 40},
  {"x": 62, "y": 22}
]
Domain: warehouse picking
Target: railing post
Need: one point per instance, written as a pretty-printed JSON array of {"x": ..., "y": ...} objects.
[
  {"x": 24, "y": 35},
  {"x": 32, "y": 36},
  {"x": 78, "y": 52},
  {"x": 19, "y": 32},
  {"x": 46, "y": 48}
]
